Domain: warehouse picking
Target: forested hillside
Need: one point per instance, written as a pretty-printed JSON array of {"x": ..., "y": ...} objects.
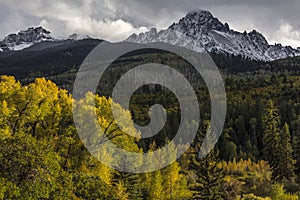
[{"x": 257, "y": 156}]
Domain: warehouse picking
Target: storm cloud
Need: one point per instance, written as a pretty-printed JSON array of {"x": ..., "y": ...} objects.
[{"x": 117, "y": 19}]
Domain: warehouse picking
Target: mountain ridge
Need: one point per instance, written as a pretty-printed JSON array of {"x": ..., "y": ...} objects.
[
  {"x": 33, "y": 35},
  {"x": 25, "y": 38},
  {"x": 200, "y": 31}
]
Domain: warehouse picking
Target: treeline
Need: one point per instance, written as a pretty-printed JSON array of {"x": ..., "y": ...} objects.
[{"x": 42, "y": 156}]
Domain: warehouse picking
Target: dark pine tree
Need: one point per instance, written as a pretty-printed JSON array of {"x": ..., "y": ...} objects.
[
  {"x": 285, "y": 168},
  {"x": 209, "y": 177},
  {"x": 297, "y": 154},
  {"x": 271, "y": 123}
]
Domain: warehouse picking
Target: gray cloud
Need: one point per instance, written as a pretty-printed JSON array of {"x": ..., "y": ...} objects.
[{"x": 277, "y": 20}]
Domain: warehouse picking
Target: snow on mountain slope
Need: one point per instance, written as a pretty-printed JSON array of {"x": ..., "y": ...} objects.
[
  {"x": 200, "y": 30},
  {"x": 25, "y": 39},
  {"x": 21, "y": 46}
]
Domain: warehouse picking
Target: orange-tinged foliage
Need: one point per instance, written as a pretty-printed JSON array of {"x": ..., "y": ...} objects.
[{"x": 244, "y": 166}]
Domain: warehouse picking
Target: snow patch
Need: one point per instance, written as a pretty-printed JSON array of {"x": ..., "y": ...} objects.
[{"x": 21, "y": 46}]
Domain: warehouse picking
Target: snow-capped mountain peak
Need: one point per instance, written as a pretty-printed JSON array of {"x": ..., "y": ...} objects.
[
  {"x": 199, "y": 20},
  {"x": 199, "y": 30},
  {"x": 25, "y": 39}
]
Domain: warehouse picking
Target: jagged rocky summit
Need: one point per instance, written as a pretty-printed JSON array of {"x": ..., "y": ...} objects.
[
  {"x": 25, "y": 39},
  {"x": 199, "y": 31}
]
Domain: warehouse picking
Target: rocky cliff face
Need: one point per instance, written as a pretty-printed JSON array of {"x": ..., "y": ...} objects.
[
  {"x": 25, "y": 39},
  {"x": 201, "y": 31}
]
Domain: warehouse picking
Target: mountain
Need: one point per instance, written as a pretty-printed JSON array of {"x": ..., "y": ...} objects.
[
  {"x": 46, "y": 58},
  {"x": 25, "y": 39},
  {"x": 76, "y": 36},
  {"x": 59, "y": 59},
  {"x": 200, "y": 30}
]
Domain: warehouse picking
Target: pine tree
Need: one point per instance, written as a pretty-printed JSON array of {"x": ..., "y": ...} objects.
[
  {"x": 297, "y": 153},
  {"x": 285, "y": 167},
  {"x": 271, "y": 122},
  {"x": 209, "y": 177}
]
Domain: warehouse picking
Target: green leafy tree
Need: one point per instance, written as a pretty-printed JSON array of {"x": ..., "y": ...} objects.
[
  {"x": 278, "y": 193},
  {"x": 92, "y": 187},
  {"x": 169, "y": 182},
  {"x": 175, "y": 184},
  {"x": 8, "y": 190},
  {"x": 132, "y": 184},
  {"x": 154, "y": 188},
  {"x": 34, "y": 167}
]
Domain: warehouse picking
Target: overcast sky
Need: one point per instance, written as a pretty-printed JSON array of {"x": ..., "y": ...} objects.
[{"x": 278, "y": 20}]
